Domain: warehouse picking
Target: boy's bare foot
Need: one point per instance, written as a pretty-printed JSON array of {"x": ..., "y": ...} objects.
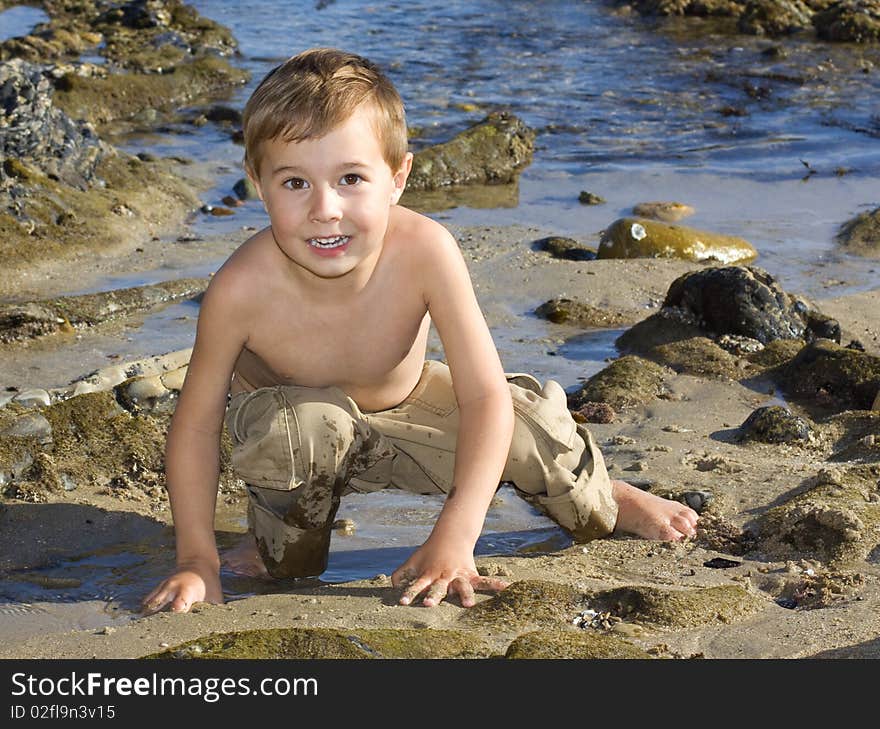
[
  {"x": 244, "y": 558},
  {"x": 650, "y": 516}
]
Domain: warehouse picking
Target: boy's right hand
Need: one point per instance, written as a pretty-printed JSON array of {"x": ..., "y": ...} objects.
[{"x": 190, "y": 583}]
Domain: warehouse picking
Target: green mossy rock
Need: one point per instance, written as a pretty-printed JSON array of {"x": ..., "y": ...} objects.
[
  {"x": 643, "y": 238},
  {"x": 302, "y": 643},
  {"x": 571, "y": 644},
  {"x": 626, "y": 382},
  {"x": 861, "y": 235}
]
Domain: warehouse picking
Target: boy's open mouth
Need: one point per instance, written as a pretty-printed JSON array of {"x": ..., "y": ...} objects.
[{"x": 327, "y": 243}]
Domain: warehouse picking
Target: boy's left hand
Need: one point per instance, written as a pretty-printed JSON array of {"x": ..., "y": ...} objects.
[{"x": 441, "y": 570}]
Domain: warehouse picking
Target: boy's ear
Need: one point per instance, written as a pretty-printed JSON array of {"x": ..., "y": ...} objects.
[
  {"x": 400, "y": 178},
  {"x": 254, "y": 179}
]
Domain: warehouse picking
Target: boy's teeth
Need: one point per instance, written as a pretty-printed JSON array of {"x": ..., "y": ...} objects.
[{"x": 334, "y": 242}]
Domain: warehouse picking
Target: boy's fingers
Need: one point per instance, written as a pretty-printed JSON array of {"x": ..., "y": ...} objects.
[
  {"x": 493, "y": 584},
  {"x": 414, "y": 590},
  {"x": 465, "y": 591},
  {"x": 155, "y": 604},
  {"x": 438, "y": 591}
]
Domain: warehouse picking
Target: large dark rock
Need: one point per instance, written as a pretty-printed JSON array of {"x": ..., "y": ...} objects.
[
  {"x": 745, "y": 301},
  {"x": 775, "y": 17}
]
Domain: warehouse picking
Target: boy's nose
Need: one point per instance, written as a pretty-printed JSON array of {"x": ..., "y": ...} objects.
[{"x": 325, "y": 205}]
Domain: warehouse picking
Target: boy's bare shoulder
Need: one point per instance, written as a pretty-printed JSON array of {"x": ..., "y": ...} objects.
[
  {"x": 238, "y": 279},
  {"x": 418, "y": 233}
]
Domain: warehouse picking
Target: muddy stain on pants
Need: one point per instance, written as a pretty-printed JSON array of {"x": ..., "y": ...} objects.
[{"x": 300, "y": 449}]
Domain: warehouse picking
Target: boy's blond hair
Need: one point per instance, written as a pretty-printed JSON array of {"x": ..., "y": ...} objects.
[{"x": 315, "y": 91}]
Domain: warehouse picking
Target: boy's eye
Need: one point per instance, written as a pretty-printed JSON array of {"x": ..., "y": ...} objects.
[
  {"x": 351, "y": 179},
  {"x": 296, "y": 183}
]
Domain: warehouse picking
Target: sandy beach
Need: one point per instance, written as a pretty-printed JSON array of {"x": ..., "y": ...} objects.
[{"x": 710, "y": 596}]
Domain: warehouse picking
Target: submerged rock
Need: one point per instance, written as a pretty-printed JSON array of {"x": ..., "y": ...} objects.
[
  {"x": 32, "y": 319},
  {"x": 491, "y": 152},
  {"x": 643, "y": 238},
  {"x": 668, "y": 212}
]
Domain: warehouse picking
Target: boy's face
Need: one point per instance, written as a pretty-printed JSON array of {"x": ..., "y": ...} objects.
[{"x": 329, "y": 199}]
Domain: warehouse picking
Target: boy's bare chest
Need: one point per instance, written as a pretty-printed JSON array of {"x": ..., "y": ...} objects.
[{"x": 373, "y": 352}]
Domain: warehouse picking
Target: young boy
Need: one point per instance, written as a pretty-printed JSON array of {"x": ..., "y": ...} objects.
[{"x": 317, "y": 328}]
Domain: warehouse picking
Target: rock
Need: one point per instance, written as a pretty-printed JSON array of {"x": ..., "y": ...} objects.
[
  {"x": 573, "y": 311},
  {"x": 838, "y": 376},
  {"x": 626, "y": 382},
  {"x": 697, "y": 500},
  {"x": 33, "y": 398},
  {"x": 643, "y": 238},
  {"x": 491, "y": 152},
  {"x": 38, "y": 133},
  {"x": 246, "y": 190},
  {"x": 594, "y": 412},
  {"x": 565, "y": 248},
  {"x": 680, "y": 608},
  {"x": 775, "y": 18},
  {"x": 745, "y": 301},
  {"x": 668, "y": 212},
  {"x": 590, "y": 198},
  {"x": 568, "y": 644},
  {"x": 325, "y": 643},
  {"x": 855, "y": 21},
  {"x": 775, "y": 424},
  {"x": 22, "y": 321},
  {"x": 30, "y": 425},
  {"x": 861, "y": 235}
]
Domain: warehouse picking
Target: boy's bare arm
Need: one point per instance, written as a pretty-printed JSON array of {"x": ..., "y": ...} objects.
[
  {"x": 445, "y": 563},
  {"x": 192, "y": 458}
]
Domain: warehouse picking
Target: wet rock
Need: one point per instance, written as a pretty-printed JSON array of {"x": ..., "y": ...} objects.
[
  {"x": 830, "y": 523},
  {"x": 32, "y": 398},
  {"x": 29, "y": 425},
  {"x": 573, "y": 311},
  {"x": 590, "y": 198},
  {"x": 170, "y": 367},
  {"x": 775, "y": 424},
  {"x": 323, "y": 643},
  {"x": 688, "y": 7},
  {"x": 565, "y": 248},
  {"x": 698, "y": 356},
  {"x": 23, "y": 321},
  {"x": 861, "y": 235},
  {"x": 571, "y": 644},
  {"x": 39, "y": 134},
  {"x": 775, "y": 18},
  {"x": 527, "y": 602},
  {"x": 491, "y": 152},
  {"x": 855, "y": 21},
  {"x": 643, "y": 238},
  {"x": 246, "y": 190},
  {"x": 594, "y": 412},
  {"x": 697, "y": 500},
  {"x": 668, "y": 212},
  {"x": 745, "y": 301},
  {"x": 679, "y": 608},
  {"x": 829, "y": 375},
  {"x": 626, "y": 382}
]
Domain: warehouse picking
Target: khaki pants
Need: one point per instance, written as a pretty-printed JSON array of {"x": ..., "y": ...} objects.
[{"x": 300, "y": 449}]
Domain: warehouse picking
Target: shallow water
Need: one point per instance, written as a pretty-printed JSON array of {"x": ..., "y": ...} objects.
[{"x": 777, "y": 148}]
